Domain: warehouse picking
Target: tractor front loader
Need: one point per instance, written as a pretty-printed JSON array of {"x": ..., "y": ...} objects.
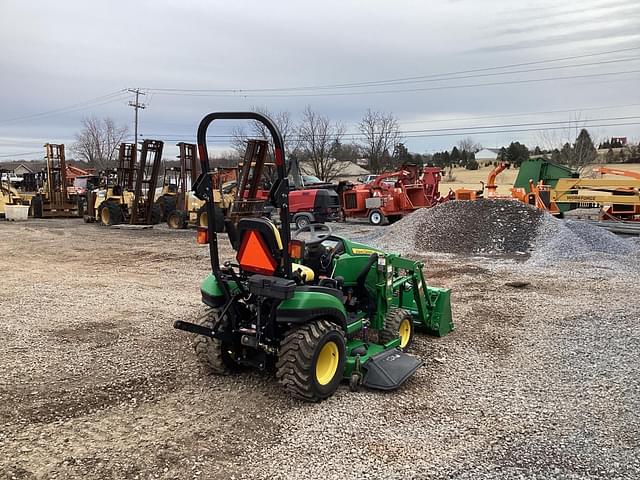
[{"x": 315, "y": 308}]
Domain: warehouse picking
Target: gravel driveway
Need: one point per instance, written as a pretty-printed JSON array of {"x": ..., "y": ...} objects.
[{"x": 539, "y": 380}]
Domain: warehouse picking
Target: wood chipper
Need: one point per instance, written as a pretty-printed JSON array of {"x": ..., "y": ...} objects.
[
  {"x": 392, "y": 195},
  {"x": 315, "y": 308}
]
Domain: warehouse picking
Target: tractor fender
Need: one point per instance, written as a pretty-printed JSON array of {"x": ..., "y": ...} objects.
[{"x": 310, "y": 303}]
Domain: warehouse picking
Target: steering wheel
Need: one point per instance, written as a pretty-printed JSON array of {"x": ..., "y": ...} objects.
[{"x": 319, "y": 232}]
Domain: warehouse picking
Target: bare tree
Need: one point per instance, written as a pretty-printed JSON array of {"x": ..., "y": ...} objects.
[
  {"x": 381, "y": 133},
  {"x": 317, "y": 136},
  {"x": 257, "y": 130},
  {"x": 98, "y": 141},
  {"x": 468, "y": 144}
]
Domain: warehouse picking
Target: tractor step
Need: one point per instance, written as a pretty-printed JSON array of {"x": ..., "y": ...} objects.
[{"x": 389, "y": 369}]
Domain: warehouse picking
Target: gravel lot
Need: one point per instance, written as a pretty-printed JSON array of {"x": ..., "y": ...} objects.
[{"x": 541, "y": 378}]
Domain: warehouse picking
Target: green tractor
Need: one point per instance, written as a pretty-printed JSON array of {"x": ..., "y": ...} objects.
[{"x": 317, "y": 308}]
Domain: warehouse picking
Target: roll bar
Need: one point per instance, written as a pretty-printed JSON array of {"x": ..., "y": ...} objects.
[{"x": 279, "y": 194}]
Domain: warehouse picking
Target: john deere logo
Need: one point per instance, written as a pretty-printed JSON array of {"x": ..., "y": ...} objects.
[{"x": 392, "y": 358}]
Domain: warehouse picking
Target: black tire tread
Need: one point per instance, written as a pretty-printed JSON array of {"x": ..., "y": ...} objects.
[
  {"x": 392, "y": 325},
  {"x": 209, "y": 350},
  {"x": 294, "y": 367}
]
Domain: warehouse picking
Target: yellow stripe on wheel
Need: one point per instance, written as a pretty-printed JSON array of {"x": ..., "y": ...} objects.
[
  {"x": 405, "y": 332},
  {"x": 327, "y": 363}
]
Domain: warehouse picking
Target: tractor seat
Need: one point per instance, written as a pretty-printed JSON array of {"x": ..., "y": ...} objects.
[{"x": 258, "y": 236}]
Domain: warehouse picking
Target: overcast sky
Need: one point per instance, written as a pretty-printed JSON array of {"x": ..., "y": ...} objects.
[{"x": 80, "y": 54}]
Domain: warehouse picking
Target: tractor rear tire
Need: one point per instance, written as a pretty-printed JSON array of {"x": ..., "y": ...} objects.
[
  {"x": 397, "y": 324},
  {"x": 109, "y": 213},
  {"x": 166, "y": 204},
  {"x": 156, "y": 214},
  {"x": 178, "y": 220},
  {"x": 211, "y": 352},
  {"x": 311, "y": 360},
  {"x": 203, "y": 218},
  {"x": 36, "y": 206},
  {"x": 376, "y": 217}
]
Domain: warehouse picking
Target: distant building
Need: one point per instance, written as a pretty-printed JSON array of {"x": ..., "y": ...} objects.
[
  {"x": 487, "y": 155},
  {"x": 619, "y": 140},
  {"x": 349, "y": 171}
]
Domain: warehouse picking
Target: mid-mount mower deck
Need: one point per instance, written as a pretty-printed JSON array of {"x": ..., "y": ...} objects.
[{"x": 310, "y": 310}]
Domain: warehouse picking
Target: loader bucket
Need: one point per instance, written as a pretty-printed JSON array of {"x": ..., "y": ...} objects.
[{"x": 439, "y": 320}]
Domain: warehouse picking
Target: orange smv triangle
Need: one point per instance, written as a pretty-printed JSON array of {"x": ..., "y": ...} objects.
[{"x": 254, "y": 255}]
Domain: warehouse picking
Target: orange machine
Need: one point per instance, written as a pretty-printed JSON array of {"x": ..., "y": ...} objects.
[
  {"x": 491, "y": 187},
  {"x": 392, "y": 195},
  {"x": 616, "y": 171}
]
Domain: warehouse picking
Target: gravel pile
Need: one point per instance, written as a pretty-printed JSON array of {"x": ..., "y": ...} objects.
[
  {"x": 482, "y": 227},
  {"x": 567, "y": 240}
]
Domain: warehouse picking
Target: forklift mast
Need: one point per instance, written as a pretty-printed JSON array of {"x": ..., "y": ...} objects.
[
  {"x": 188, "y": 156},
  {"x": 56, "y": 174},
  {"x": 126, "y": 166},
  {"x": 146, "y": 180}
]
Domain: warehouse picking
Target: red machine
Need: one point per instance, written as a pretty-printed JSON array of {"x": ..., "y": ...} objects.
[{"x": 392, "y": 195}]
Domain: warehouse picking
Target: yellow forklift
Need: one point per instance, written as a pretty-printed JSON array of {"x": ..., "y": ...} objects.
[
  {"x": 128, "y": 196},
  {"x": 52, "y": 200}
]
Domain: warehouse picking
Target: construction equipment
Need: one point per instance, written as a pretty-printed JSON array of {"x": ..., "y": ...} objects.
[
  {"x": 8, "y": 194},
  {"x": 490, "y": 186},
  {"x": 187, "y": 207},
  {"x": 53, "y": 199},
  {"x": 308, "y": 308},
  {"x": 316, "y": 203},
  {"x": 392, "y": 195},
  {"x": 617, "y": 171},
  {"x": 128, "y": 197}
]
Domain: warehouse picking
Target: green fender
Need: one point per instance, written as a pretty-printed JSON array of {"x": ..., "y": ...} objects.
[
  {"x": 212, "y": 294},
  {"x": 305, "y": 306}
]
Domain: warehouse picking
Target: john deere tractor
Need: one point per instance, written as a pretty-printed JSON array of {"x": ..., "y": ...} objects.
[{"x": 315, "y": 308}]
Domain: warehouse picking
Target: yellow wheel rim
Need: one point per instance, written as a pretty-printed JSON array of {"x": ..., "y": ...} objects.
[
  {"x": 204, "y": 219},
  {"x": 327, "y": 363},
  {"x": 104, "y": 215},
  {"x": 404, "y": 332}
]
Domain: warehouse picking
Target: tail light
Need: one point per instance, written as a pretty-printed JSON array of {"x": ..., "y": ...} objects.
[
  {"x": 202, "y": 236},
  {"x": 296, "y": 249}
]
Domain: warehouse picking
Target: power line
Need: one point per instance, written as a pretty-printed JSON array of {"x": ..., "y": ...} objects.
[
  {"x": 411, "y": 90},
  {"x": 522, "y": 114},
  {"x": 585, "y": 122},
  {"x": 100, "y": 100},
  {"x": 20, "y": 154},
  {"x": 391, "y": 81}
]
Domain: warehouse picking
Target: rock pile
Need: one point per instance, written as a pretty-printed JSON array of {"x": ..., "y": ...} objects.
[
  {"x": 482, "y": 227},
  {"x": 494, "y": 227}
]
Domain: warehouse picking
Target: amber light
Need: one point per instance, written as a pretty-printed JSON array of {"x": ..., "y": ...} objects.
[
  {"x": 296, "y": 249},
  {"x": 202, "y": 236}
]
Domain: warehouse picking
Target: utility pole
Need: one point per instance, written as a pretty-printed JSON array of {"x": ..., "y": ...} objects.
[{"x": 136, "y": 106}]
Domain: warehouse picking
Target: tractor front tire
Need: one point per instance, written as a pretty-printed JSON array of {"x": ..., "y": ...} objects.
[
  {"x": 311, "y": 360},
  {"x": 212, "y": 353},
  {"x": 178, "y": 220},
  {"x": 397, "y": 324},
  {"x": 109, "y": 213}
]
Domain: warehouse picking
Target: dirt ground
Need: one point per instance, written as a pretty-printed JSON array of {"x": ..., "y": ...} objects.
[{"x": 536, "y": 382}]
